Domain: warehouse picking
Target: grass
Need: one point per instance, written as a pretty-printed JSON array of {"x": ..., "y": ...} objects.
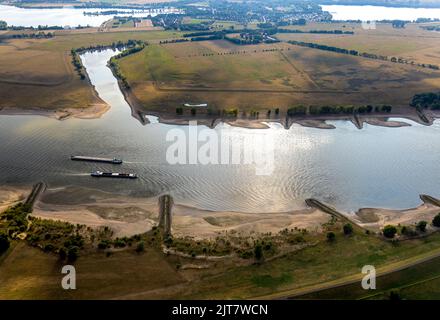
[
  {"x": 124, "y": 273},
  {"x": 269, "y": 76},
  {"x": 224, "y": 75},
  {"x": 31, "y": 71},
  {"x": 417, "y": 282}
]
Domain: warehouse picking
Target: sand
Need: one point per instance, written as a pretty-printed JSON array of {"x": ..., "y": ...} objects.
[
  {"x": 11, "y": 195},
  {"x": 376, "y": 218},
  {"x": 93, "y": 112},
  {"x": 128, "y": 216}
]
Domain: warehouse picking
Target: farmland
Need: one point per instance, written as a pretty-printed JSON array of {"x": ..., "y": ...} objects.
[
  {"x": 31, "y": 70},
  {"x": 280, "y": 75}
]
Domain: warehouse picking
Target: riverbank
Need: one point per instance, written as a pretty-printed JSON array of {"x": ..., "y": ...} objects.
[
  {"x": 93, "y": 112},
  {"x": 128, "y": 216},
  {"x": 314, "y": 121}
]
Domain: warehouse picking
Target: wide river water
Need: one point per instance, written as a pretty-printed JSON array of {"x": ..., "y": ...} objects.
[{"x": 346, "y": 167}]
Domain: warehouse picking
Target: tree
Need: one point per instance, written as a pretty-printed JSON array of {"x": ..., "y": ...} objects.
[
  {"x": 389, "y": 231},
  {"x": 436, "y": 221},
  {"x": 140, "y": 247},
  {"x": 421, "y": 226},
  {"x": 331, "y": 236},
  {"x": 4, "y": 243},
  {"x": 348, "y": 229},
  {"x": 72, "y": 253},
  {"x": 62, "y": 253},
  {"x": 258, "y": 252}
]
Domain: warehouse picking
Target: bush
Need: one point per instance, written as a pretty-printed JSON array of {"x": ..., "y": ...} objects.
[
  {"x": 436, "y": 221},
  {"x": 4, "y": 243},
  {"x": 421, "y": 226},
  {"x": 331, "y": 236},
  {"x": 72, "y": 253},
  {"x": 408, "y": 231},
  {"x": 258, "y": 251},
  {"x": 48, "y": 247},
  {"x": 389, "y": 231},
  {"x": 104, "y": 244},
  {"x": 140, "y": 247},
  {"x": 62, "y": 253},
  {"x": 348, "y": 229}
]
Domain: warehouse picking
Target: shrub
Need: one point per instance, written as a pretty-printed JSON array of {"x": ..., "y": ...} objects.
[
  {"x": 49, "y": 247},
  {"x": 436, "y": 221},
  {"x": 331, "y": 236},
  {"x": 421, "y": 226},
  {"x": 62, "y": 253},
  {"x": 103, "y": 245},
  {"x": 140, "y": 247},
  {"x": 348, "y": 229},
  {"x": 389, "y": 231},
  {"x": 4, "y": 243},
  {"x": 258, "y": 252},
  {"x": 408, "y": 231},
  {"x": 72, "y": 253}
]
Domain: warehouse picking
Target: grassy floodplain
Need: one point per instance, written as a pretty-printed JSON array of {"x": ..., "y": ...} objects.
[
  {"x": 251, "y": 78},
  {"x": 280, "y": 75},
  {"x": 32, "y": 70},
  {"x": 309, "y": 261}
]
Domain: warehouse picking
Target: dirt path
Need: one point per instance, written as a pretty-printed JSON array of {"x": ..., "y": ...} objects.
[{"x": 354, "y": 278}]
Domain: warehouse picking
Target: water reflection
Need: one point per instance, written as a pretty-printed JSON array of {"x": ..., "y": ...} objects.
[{"x": 347, "y": 167}]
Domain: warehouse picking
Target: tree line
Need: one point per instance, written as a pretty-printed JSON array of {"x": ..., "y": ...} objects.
[
  {"x": 131, "y": 45},
  {"x": 428, "y": 100},
  {"x": 363, "y": 54},
  {"x": 324, "y": 110},
  {"x": 270, "y": 31},
  {"x": 114, "y": 65},
  {"x": 39, "y": 35}
]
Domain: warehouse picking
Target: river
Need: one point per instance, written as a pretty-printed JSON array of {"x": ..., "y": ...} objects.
[{"x": 346, "y": 167}]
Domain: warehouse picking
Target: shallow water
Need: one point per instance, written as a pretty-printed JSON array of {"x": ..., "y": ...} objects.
[{"x": 346, "y": 167}]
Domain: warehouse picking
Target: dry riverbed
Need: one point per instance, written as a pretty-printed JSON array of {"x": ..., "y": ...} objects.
[{"x": 128, "y": 216}]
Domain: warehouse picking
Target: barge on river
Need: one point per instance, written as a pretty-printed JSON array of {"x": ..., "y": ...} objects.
[
  {"x": 95, "y": 159},
  {"x": 99, "y": 174}
]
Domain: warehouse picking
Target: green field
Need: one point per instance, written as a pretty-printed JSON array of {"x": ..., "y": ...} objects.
[
  {"x": 126, "y": 274},
  {"x": 32, "y": 70},
  {"x": 267, "y": 76}
]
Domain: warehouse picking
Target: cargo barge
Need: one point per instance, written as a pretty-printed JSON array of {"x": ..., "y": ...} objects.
[
  {"x": 99, "y": 174},
  {"x": 95, "y": 159}
]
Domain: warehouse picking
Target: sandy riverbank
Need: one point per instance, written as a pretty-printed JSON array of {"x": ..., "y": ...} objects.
[
  {"x": 376, "y": 218},
  {"x": 93, "y": 112},
  {"x": 128, "y": 216},
  {"x": 11, "y": 195}
]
